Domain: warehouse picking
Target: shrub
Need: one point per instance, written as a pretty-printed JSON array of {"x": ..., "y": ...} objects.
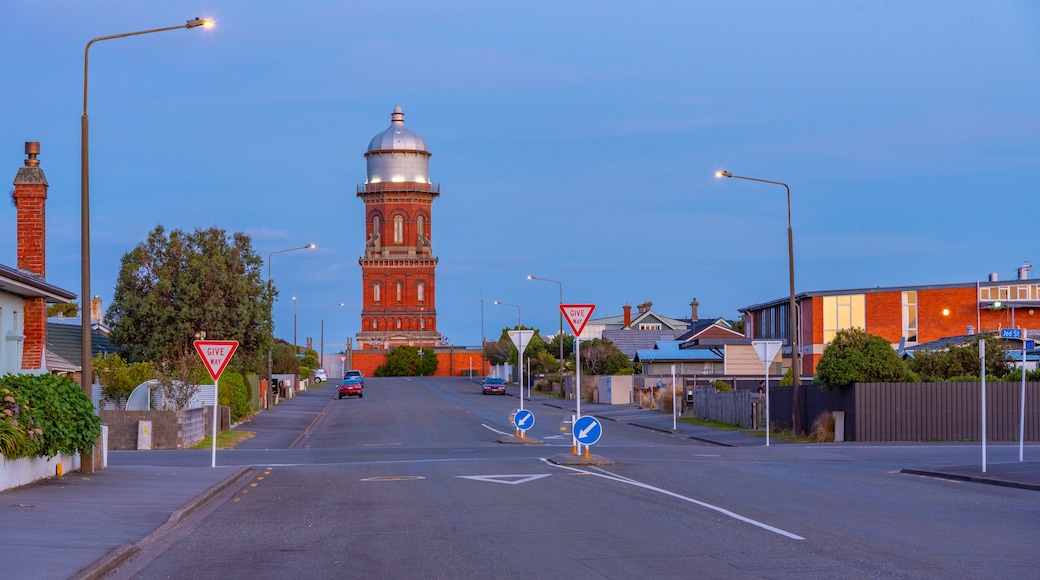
[
  {"x": 53, "y": 412},
  {"x": 823, "y": 427},
  {"x": 722, "y": 386},
  {"x": 234, "y": 394},
  {"x": 858, "y": 356}
]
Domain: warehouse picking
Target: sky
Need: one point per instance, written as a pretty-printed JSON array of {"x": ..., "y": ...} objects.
[{"x": 575, "y": 141}]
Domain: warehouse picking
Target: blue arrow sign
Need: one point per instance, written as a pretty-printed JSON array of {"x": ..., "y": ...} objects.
[
  {"x": 587, "y": 430},
  {"x": 1015, "y": 333},
  {"x": 523, "y": 419}
]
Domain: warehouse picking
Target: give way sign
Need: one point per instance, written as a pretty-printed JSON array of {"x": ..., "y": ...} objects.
[
  {"x": 577, "y": 315},
  {"x": 215, "y": 354}
]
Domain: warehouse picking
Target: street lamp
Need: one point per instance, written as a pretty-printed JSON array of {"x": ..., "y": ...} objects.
[
  {"x": 321, "y": 361},
  {"x": 519, "y": 351},
  {"x": 87, "y": 375},
  {"x": 796, "y": 378},
  {"x": 561, "y": 320},
  {"x": 270, "y": 356},
  {"x": 296, "y": 347}
]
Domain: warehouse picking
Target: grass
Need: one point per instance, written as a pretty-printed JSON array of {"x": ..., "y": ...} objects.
[
  {"x": 225, "y": 440},
  {"x": 547, "y": 395},
  {"x": 780, "y": 434}
]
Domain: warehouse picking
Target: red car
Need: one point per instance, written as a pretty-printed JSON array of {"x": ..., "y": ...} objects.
[
  {"x": 351, "y": 386},
  {"x": 494, "y": 386}
]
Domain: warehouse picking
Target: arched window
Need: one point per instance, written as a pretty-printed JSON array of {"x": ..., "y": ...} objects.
[
  {"x": 398, "y": 229},
  {"x": 420, "y": 292},
  {"x": 375, "y": 325},
  {"x": 398, "y": 285},
  {"x": 420, "y": 223},
  {"x": 376, "y": 294},
  {"x": 375, "y": 225},
  {"x": 398, "y": 324}
]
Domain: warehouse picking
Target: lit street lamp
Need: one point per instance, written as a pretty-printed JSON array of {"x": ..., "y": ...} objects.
[
  {"x": 561, "y": 321},
  {"x": 519, "y": 351},
  {"x": 87, "y": 374},
  {"x": 321, "y": 362},
  {"x": 796, "y": 378},
  {"x": 270, "y": 356}
]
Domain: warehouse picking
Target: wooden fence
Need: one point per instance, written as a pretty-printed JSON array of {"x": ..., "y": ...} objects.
[{"x": 733, "y": 407}]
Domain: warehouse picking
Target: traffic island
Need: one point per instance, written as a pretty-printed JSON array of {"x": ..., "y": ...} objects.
[
  {"x": 571, "y": 460},
  {"x": 520, "y": 441}
]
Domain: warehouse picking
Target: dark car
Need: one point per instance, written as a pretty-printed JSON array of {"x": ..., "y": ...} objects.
[
  {"x": 351, "y": 386},
  {"x": 494, "y": 386}
]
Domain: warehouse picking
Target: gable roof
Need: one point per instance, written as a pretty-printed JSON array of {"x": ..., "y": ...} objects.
[
  {"x": 629, "y": 341},
  {"x": 64, "y": 340}
]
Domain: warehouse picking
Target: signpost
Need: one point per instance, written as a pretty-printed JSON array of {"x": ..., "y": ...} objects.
[
  {"x": 524, "y": 420},
  {"x": 521, "y": 338},
  {"x": 577, "y": 316},
  {"x": 767, "y": 350},
  {"x": 587, "y": 430},
  {"x": 215, "y": 354}
]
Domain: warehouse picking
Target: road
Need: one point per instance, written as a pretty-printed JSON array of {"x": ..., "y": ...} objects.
[{"x": 411, "y": 481}]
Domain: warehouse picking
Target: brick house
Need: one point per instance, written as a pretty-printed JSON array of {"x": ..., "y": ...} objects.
[
  {"x": 24, "y": 291},
  {"x": 903, "y": 315}
]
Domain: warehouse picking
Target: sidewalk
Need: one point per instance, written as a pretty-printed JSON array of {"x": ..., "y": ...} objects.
[{"x": 83, "y": 526}]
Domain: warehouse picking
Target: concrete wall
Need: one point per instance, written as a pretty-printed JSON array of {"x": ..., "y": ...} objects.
[
  {"x": 19, "y": 472},
  {"x": 170, "y": 429}
]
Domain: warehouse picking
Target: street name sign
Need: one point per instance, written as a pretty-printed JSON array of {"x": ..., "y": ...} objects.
[
  {"x": 215, "y": 354},
  {"x": 577, "y": 315},
  {"x": 587, "y": 430},
  {"x": 523, "y": 419},
  {"x": 1013, "y": 333}
]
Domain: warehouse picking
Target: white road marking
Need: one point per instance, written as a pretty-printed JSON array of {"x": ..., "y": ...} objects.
[
  {"x": 723, "y": 511},
  {"x": 495, "y": 430},
  {"x": 510, "y": 479}
]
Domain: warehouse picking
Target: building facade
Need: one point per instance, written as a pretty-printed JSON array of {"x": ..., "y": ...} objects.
[
  {"x": 398, "y": 268},
  {"x": 905, "y": 315}
]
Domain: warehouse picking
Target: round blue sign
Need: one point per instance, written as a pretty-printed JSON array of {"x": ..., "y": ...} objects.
[
  {"x": 587, "y": 430},
  {"x": 523, "y": 419}
]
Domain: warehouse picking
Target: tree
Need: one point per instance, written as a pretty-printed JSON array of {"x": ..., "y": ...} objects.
[
  {"x": 858, "y": 356},
  {"x": 177, "y": 287},
  {"x": 119, "y": 379},
  {"x": 601, "y": 357},
  {"x": 66, "y": 309},
  {"x": 960, "y": 361},
  {"x": 568, "y": 345},
  {"x": 737, "y": 325},
  {"x": 404, "y": 361}
]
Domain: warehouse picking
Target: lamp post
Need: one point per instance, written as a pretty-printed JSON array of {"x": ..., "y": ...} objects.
[
  {"x": 561, "y": 321},
  {"x": 296, "y": 346},
  {"x": 87, "y": 374},
  {"x": 321, "y": 361},
  {"x": 796, "y": 359},
  {"x": 519, "y": 351},
  {"x": 420, "y": 342},
  {"x": 270, "y": 354}
]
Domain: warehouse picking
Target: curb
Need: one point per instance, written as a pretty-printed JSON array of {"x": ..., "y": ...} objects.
[
  {"x": 313, "y": 425},
  {"x": 115, "y": 558},
  {"x": 972, "y": 478}
]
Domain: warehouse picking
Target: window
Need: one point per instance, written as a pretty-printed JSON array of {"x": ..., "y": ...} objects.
[
  {"x": 650, "y": 326},
  {"x": 376, "y": 294},
  {"x": 398, "y": 230},
  {"x": 420, "y": 292},
  {"x": 841, "y": 313},
  {"x": 398, "y": 324},
  {"x": 398, "y": 287},
  {"x": 375, "y": 325},
  {"x": 375, "y": 225},
  {"x": 910, "y": 316},
  {"x": 419, "y": 225}
]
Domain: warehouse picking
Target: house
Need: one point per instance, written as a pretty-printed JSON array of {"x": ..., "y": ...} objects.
[
  {"x": 903, "y": 315},
  {"x": 24, "y": 291},
  {"x": 64, "y": 345}
]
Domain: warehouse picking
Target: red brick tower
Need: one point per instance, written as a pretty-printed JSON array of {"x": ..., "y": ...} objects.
[
  {"x": 30, "y": 197},
  {"x": 398, "y": 269}
]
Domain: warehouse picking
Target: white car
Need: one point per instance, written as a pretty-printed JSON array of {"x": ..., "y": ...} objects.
[{"x": 319, "y": 375}]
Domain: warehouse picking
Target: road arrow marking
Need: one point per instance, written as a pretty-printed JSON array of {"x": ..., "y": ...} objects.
[{"x": 509, "y": 479}]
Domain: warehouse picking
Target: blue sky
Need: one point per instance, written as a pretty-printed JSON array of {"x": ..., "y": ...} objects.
[{"x": 572, "y": 140}]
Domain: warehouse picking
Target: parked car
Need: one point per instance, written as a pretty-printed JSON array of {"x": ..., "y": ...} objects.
[
  {"x": 354, "y": 373},
  {"x": 351, "y": 386},
  {"x": 319, "y": 375},
  {"x": 494, "y": 386}
]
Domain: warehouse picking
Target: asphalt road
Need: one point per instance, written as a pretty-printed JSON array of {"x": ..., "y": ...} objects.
[{"x": 411, "y": 481}]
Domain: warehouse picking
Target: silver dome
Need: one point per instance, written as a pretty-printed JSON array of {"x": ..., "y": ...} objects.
[{"x": 397, "y": 137}]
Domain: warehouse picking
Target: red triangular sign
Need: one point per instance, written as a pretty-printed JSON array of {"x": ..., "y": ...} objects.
[
  {"x": 577, "y": 315},
  {"x": 216, "y": 354}
]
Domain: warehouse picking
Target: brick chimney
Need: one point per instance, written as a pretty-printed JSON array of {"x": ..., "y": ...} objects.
[
  {"x": 30, "y": 198},
  {"x": 628, "y": 315},
  {"x": 693, "y": 309}
]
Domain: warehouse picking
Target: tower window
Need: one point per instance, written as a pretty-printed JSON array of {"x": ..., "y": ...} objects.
[
  {"x": 376, "y": 297},
  {"x": 420, "y": 224},
  {"x": 398, "y": 287},
  {"x": 420, "y": 292},
  {"x": 375, "y": 225},
  {"x": 398, "y": 230}
]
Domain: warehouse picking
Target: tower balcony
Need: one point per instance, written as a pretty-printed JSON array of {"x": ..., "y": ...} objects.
[{"x": 399, "y": 187}]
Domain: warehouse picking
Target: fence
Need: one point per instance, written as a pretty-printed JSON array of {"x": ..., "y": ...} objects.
[{"x": 732, "y": 407}]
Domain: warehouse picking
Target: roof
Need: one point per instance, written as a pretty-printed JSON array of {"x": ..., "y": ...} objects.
[
  {"x": 397, "y": 137},
  {"x": 703, "y": 325},
  {"x": 64, "y": 340},
  {"x": 629, "y": 341},
  {"x": 672, "y": 353},
  {"x": 28, "y": 285}
]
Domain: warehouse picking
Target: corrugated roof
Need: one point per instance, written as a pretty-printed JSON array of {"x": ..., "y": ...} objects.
[{"x": 64, "y": 340}]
